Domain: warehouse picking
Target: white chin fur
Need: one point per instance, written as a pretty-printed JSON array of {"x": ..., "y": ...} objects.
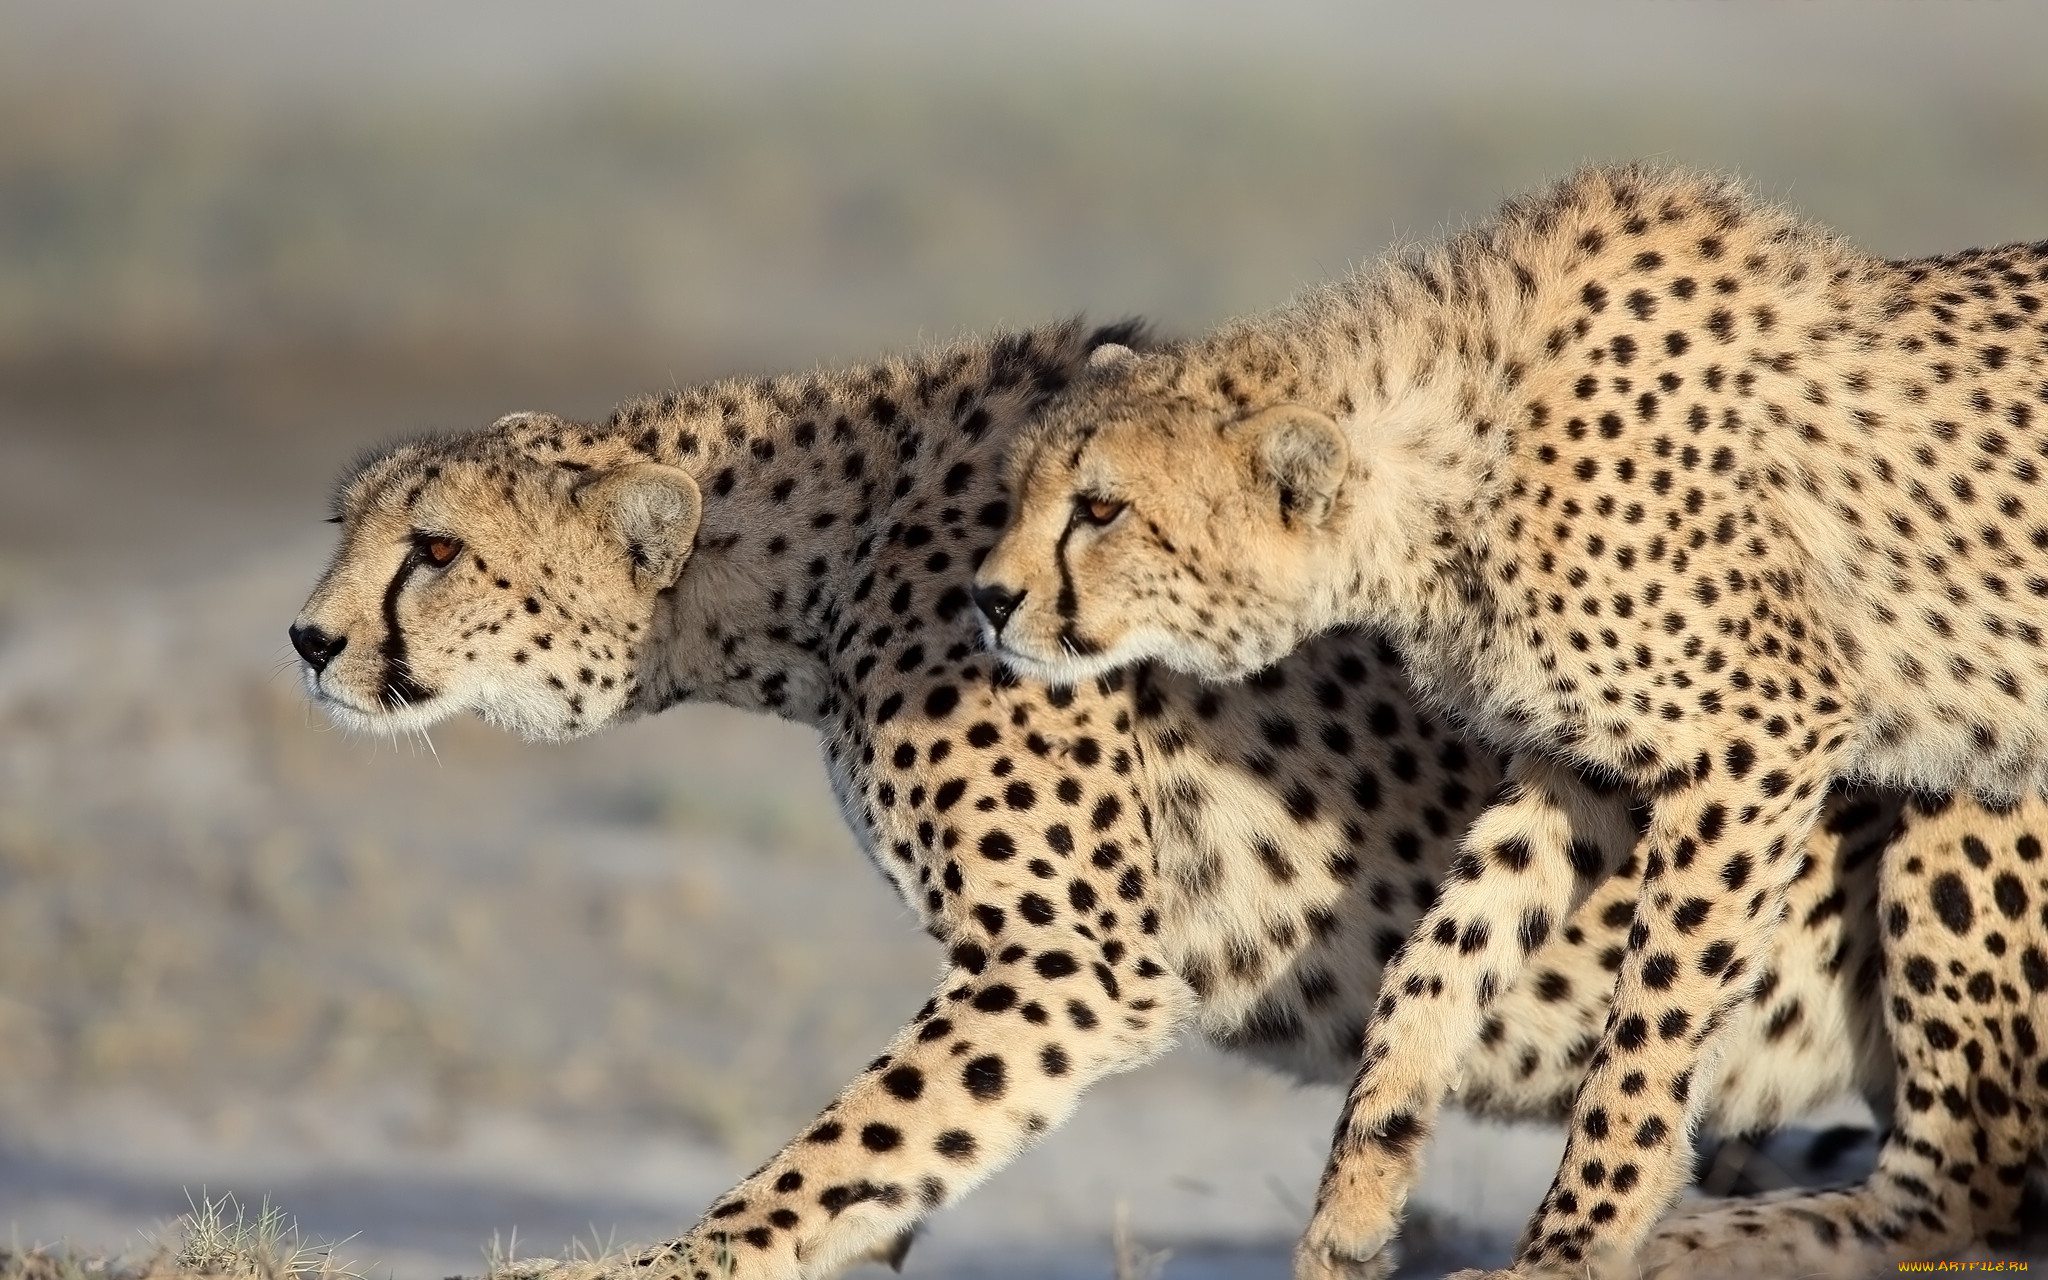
[
  {"x": 532, "y": 715},
  {"x": 1065, "y": 669},
  {"x": 383, "y": 721}
]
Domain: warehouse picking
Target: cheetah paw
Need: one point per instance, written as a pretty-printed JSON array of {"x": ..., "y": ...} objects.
[
  {"x": 713, "y": 1253},
  {"x": 1567, "y": 1271},
  {"x": 1327, "y": 1252},
  {"x": 1327, "y": 1264},
  {"x": 1358, "y": 1214}
]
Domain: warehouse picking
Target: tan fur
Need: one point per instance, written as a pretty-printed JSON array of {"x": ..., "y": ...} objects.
[
  {"x": 1642, "y": 475},
  {"x": 1273, "y": 840},
  {"x": 1964, "y": 894}
]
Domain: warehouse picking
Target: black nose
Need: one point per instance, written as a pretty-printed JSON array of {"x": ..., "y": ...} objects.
[
  {"x": 317, "y": 647},
  {"x": 997, "y": 604}
]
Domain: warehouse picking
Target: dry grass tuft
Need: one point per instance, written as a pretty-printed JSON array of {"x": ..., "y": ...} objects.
[
  {"x": 585, "y": 1261},
  {"x": 1131, "y": 1260},
  {"x": 218, "y": 1238}
]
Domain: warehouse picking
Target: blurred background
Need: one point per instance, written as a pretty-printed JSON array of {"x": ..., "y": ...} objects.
[{"x": 425, "y": 996}]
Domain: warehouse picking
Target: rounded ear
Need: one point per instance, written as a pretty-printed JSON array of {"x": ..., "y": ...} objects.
[
  {"x": 525, "y": 418},
  {"x": 1110, "y": 354},
  {"x": 653, "y": 511},
  {"x": 1301, "y": 453}
]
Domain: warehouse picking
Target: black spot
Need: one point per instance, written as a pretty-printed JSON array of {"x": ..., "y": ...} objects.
[
  {"x": 1951, "y": 901},
  {"x": 985, "y": 1077},
  {"x": 1920, "y": 975},
  {"x": 1056, "y": 964},
  {"x": 881, "y": 1137},
  {"x": 1399, "y": 1133},
  {"x": 2034, "y": 966},
  {"x": 2010, "y": 895},
  {"x": 996, "y": 999},
  {"x": 1736, "y": 871},
  {"x": 905, "y": 1082},
  {"x": 1107, "y": 810},
  {"x": 1716, "y": 957},
  {"x": 1691, "y": 914},
  {"x": 1740, "y": 758},
  {"x": 997, "y": 846}
]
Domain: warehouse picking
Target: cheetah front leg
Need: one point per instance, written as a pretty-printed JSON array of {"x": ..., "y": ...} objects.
[
  {"x": 1042, "y": 1000},
  {"x": 1528, "y": 861},
  {"x": 1722, "y": 846}
]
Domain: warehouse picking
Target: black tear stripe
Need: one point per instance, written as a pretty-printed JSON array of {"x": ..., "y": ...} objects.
[
  {"x": 1078, "y": 644},
  {"x": 1068, "y": 605},
  {"x": 399, "y": 689}
]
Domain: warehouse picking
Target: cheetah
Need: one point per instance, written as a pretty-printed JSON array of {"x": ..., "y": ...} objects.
[
  {"x": 1642, "y": 475},
  {"x": 1108, "y": 863},
  {"x": 1965, "y": 966}
]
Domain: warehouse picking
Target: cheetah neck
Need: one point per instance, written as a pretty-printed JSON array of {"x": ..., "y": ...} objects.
[
  {"x": 796, "y": 496},
  {"x": 1419, "y": 381},
  {"x": 1416, "y": 510},
  {"x": 829, "y": 501}
]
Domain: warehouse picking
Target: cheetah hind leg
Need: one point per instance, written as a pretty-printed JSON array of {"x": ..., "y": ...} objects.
[
  {"x": 1850, "y": 1233},
  {"x": 1845, "y": 1234}
]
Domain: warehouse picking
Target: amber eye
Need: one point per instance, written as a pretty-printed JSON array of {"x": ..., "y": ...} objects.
[
  {"x": 1097, "y": 510},
  {"x": 439, "y": 551}
]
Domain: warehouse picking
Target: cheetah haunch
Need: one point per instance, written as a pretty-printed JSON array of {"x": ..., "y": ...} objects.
[
  {"x": 1644, "y": 476},
  {"x": 1108, "y": 863}
]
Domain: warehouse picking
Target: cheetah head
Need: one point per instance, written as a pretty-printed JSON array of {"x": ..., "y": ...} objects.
[
  {"x": 1154, "y": 521},
  {"x": 473, "y": 577}
]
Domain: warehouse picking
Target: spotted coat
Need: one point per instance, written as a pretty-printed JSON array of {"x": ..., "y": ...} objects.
[
  {"x": 1644, "y": 476},
  {"x": 1107, "y": 864}
]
